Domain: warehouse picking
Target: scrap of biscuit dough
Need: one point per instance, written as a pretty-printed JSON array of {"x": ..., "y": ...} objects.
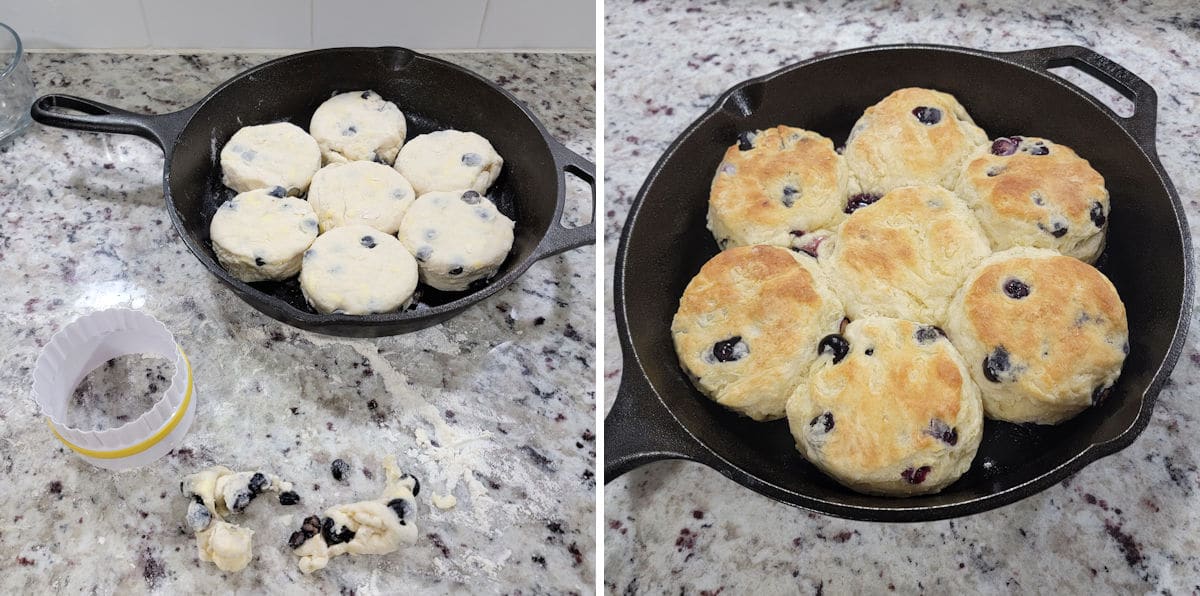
[
  {"x": 225, "y": 544},
  {"x": 376, "y": 527},
  {"x": 215, "y": 493}
]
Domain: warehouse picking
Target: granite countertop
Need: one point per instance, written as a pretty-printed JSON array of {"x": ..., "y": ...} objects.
[
  {"x": 1128, "y": 523},
  {"x": 495, "y": 406}
]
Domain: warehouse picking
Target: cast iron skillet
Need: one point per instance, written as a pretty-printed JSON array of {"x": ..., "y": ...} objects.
[
  {"x": 432, "y": 93},
  {"x": 658, "y": 415}
]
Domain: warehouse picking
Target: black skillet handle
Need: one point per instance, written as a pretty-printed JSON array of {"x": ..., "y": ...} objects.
[
  {"x": 162, "y": 129},
  {"x": 1142, "y": 123},
  {"x": 638, "y": 430},
  {"x": 560, "y": 238}
]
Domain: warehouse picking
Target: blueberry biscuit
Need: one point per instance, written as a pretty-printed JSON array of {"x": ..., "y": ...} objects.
[
  {"x": 458, "y": 238},
  {"x": 888, "y": 409},
  {"x": 360, "y": 192},
  {"x": 358, "y": 126},
  {"x": 449, "y": 160},
  {"x": 777, "y": 186},
  {"x": 914, "y": 136},
  {"x": 270, "y": 155},
  {"x": 905, "y": 255},
  {"x": 358, "y": 270},
  {"x": 261, "y": 234},
  {"x": 748, "y": 324},
  {"x": 1028, "y": 191},
  {"x": 376, "y": 527},
  {"x": 1044, "y": 334}
]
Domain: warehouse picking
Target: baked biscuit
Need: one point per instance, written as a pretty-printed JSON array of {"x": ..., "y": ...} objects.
[
  {"x": 905, "y": 255},
  {"x": 1028, "y": 191},
  {"x": 888, "y": 409},
  {"x": 748, "y": 324},
  {"x": 777, "y": 186},
  {"x": 1044, "y": 334},
  {"x": 914, "y": 136}
]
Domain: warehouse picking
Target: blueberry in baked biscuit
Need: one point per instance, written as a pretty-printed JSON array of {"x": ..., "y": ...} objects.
[{"x": 1051, "y": 353}]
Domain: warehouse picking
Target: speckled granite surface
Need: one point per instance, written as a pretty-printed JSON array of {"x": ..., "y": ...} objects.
[
  {"x": 1127, "y": 524},
  {"x": 496, "y": 406}
]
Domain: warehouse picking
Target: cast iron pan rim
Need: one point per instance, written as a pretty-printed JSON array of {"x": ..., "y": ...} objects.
[
  {"x": 311, "y": 319},
  {"x": 632, "y": 361}
]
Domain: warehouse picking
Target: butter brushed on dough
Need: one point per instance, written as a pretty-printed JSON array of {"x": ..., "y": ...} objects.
[
  {"x": 360, "y": 192},
  {"x": 358, "y": 270},
  {"x": 449, "y": 160},
  {"x": 269, "y": 155},
  {"x": 457, "y": 237},
  {"x": 358, "y": 126}
]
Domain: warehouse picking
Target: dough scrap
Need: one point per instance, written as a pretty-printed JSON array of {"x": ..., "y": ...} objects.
[
  {"x": 375, "y": 527},
  {"x": 215, "y": 493}
]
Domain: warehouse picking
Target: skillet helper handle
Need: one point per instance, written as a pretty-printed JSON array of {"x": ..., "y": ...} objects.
[
  {"x": 560, "y": 238},
  {"x": 161, "y": 129},
  {"x": 1141, "y": 124},
  {"x": 638, "y": 430}
]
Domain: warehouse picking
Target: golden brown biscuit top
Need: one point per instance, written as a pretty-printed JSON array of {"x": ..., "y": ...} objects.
[
  {"x": 759, "y": 282},
  {"x": 897, "y": 391},
  {"x": 759, "y": 302},
  {"x": 1045, "y": 316},
  {"x": 895, "y": 238},
  {"x": 765, "y": 177},
  {"x": 1030, "y": 179},
  {"x": 917, "y": 130}
]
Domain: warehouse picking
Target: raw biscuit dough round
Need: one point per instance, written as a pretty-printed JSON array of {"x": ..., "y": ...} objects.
[
  {"x": 358, "y": 270},
  {"x": 261, "y": 234},
  {"x": 747, "y": 327},
  {"x": 1032, "y": 192},
  {"x": 777, "y": 186},
  {"x": 270, "y": 155},
  {"x": 889, "y": 409},
  {"x": 360, "y": 192},
  {"x": 1044, "y": 335},
  {"x": 905, "y": 255},
  {"x": 358, "y": 126},
  {"x": 457, "y": 237},
  {"x": 913, "y": 136},
  {"x": 449, "y": 160}
]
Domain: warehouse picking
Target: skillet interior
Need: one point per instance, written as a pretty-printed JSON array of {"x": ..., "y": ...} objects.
[
  {"x": 432, "y": 94},
  {"x": 666, "y": 244}
]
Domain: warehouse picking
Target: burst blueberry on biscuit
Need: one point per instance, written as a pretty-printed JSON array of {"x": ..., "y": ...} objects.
[
  {"x": 782, "y": 186},
  {"x": 905, "y": 255},
  {"x": 1044, "y": 335},
  {"x": 1028, "y": 191},
  {"x": 889, "y": 408},
  {"x": 913, "y": 136},
  {"x": 747, "y": 325}
]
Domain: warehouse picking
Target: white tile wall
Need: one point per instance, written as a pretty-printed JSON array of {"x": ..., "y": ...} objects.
[
  {"x": 539, "y": 24},
  {"x": 228, "y": 23},
  {"x": 436, "y": 24},
  {"x": 76, "y": 23},
  {"x": 302, "y": 24}
]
